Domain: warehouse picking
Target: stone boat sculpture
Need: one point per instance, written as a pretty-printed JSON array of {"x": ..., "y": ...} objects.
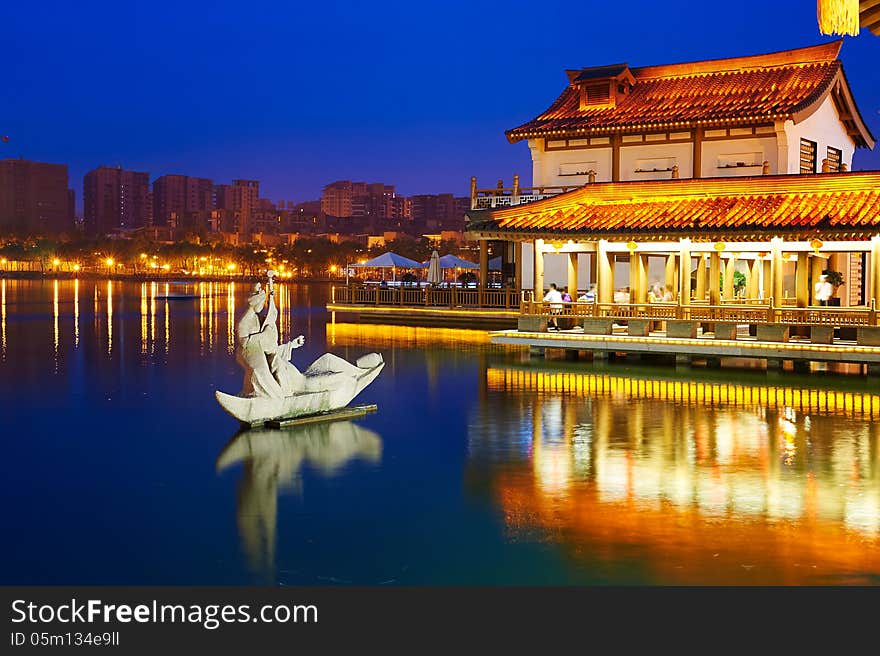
[{"x": 274, "y": 390}]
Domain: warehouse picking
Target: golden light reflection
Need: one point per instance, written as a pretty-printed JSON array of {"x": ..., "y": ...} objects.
[
  {"x": 76, "y": 313},
  {"x": 167, "y": 318},
  {"x": 851, "y": 403},
  {"x": 3, "y": 318},
  {"x": 230, "y": 317},
  {"x": 144, "y": 318},
  {"x": 154, "y": 288},
  {"x": 603, "y": 464},
  {"x": 56, "y": 335},
  {"x": 109, "y": 317},
  {"x": 203, "y": 310},
  {"x": 414, "y": 337}
]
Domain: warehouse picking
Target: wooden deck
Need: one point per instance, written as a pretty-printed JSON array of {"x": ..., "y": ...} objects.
[{"x": 684, "y": 350}]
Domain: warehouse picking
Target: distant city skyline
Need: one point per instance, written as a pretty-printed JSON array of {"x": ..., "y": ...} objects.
[{"x": 418, "y": 99}]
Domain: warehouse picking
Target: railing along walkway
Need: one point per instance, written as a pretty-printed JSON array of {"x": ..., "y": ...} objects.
[
  {"x": 445, "y": 297},
  {"x": 734, "y": 313}
]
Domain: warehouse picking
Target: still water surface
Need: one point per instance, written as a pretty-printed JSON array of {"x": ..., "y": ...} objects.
[{"x": 479, "y": 467}]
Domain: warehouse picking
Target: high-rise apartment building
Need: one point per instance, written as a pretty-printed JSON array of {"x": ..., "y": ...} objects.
[
  {"x": 345, "y": 198},
  {"x": 34, "y": 197},
  {"x": 241, "y": 197},
  {"x": 181, "y": 195},
  {"x": 437, "y": 211},
  {"x": 114, "y": 198}
]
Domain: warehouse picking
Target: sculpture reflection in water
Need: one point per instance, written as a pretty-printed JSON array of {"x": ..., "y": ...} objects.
[{"x": 273, "y": 460}]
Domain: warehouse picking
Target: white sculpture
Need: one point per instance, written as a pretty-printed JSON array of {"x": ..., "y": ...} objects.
[{"x": 274, "y": 389}]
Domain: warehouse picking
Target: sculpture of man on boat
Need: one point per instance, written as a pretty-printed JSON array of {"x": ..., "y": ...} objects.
[{"x": 274, "y": 389}]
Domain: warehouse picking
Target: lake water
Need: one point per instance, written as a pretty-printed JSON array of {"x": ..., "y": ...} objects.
[{"x": 480, "y": 466}]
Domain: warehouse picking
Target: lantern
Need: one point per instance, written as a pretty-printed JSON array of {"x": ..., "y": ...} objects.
[{"x": 838, "y": 16}]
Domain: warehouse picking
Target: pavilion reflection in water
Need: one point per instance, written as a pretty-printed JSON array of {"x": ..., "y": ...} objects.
[
  {"x": 748, "y": 484},
  {"x": 273, "y": 461}
]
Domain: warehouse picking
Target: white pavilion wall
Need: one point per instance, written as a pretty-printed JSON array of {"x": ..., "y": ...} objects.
[{"x": 823, "y": 127}]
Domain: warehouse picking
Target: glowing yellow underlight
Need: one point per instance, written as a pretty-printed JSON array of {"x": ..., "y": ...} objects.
[
  {"x": 76, "y": 267},
  {"x": 153, "y": 265},
  {"x": 3, "y": 261},
  {"x": 56, "y": 262},
  {"x": 166, "y": 266},
  {"x": 231, "y": 266},
  {"x": 143, "y": 256},
  {"x": 109, "y": 261},
  {"x": 332, "y": 268}
]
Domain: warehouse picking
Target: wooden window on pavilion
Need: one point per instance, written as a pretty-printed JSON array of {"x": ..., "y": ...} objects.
[
  {"x": 835, "y": 155},
  {"x": 808, "y": 156}
]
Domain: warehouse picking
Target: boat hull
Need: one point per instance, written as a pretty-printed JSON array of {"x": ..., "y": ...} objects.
[{"x": 257, "y": 411}]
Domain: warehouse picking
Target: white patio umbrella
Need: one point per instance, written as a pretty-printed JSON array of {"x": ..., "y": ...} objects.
[{"x": 434, "y": 274}]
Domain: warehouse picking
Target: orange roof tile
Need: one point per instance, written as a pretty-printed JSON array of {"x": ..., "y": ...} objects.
[
  {"x": 844, "y": 204},
  {"x": 760, "y": 88}
]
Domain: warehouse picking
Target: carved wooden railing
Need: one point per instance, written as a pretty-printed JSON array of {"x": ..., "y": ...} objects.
[{"x": 733, "y": 313}]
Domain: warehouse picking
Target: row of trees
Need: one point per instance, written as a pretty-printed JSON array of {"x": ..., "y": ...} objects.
[{"x": 306, "y": 257}]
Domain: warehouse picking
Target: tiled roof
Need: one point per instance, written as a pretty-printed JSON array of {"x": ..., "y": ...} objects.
[
  {"x": 761, "y": 88},
  {"x": 843, "y": 204}
]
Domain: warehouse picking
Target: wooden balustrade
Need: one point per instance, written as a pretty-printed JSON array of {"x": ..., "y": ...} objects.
[
  {"x": 448, "y": 297},
  {"x": 748, "y": 311},
  {"x": 744, "y": 314}
]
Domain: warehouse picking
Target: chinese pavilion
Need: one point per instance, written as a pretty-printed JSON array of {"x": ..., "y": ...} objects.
[{"x": 683, "y": 174}]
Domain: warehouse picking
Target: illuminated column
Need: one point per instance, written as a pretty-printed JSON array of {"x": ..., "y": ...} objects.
[
  {"x": 802, "y": 280},
  {"x": 715, "y": 278},
  {"x": 484, "y": 263},
  {"x": 684, "y": 272},
  {"x": 818, "y": 265},
  {"x": 604, "y": 273},
  {"x": 701, "y": 278},
  {"x": 728, "y": 277},
  {"x": 776, "y": 270},
  {"x": 517, "y": 265},
  {"x": 755, "y": 279},
  {"x": 643, "y": 278},
  {"x": 573, "y": 275},
  {"x": 768, "y": 289},
  {"x": 593, "y": 264},
  {"x": 638, "y": 291},
  {"x": 538, "y": 281},
  {"x": 671, "y": 280},
  {"x": 874, "y": 279}
]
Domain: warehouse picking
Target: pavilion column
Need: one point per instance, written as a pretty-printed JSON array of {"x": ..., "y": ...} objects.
[
  {"x": 538, "y": 280},
  {"x": 802, "y": 280},
  {"x": 484, "y": 263},
  {"x": 768, "y": 288},
  {"x": 729, "y": 269},
  {"x": 874, "y": 279},
  {"x": 755, "y": 279},
  {"x": 715, "y": 278},
  {"x": 643, "y": 278},
  {"x": 638, "y": 291},
  {"x": 701, "y": 278},
  {"x": 684, "y": 272},
  {"x": 816, "y": 269},
  {"x": 593, "y": 266},
  {"x": 604, "y": 273},
  {"x": 671, "y": 279},
  {"x": 776, "y": 270},
  {"x": 573, "y": 275},
  {"x": 517, "y": 265}
]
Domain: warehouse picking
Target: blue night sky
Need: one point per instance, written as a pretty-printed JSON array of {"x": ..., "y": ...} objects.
[{"x": 298, "y": 95}]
